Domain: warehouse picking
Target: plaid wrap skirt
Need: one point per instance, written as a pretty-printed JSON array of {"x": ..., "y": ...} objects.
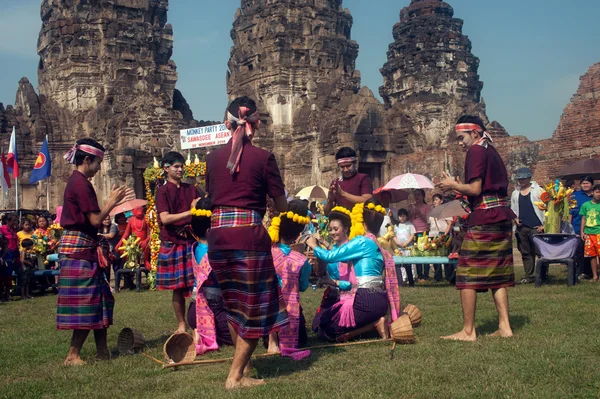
[
  {"x": 486, "y": 258},
  {"x": 175, "y": 269},
  {"x": 84, "y": 298},
  {"x": 251, "y": 292}
]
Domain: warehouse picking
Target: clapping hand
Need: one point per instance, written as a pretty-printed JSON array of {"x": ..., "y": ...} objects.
[
  {"x": 121, "y": 194},
  {"x": 447, "y": 183}
]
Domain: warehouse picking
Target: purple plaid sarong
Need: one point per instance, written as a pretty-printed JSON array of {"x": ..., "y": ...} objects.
[{"x": 175, "y": 268}]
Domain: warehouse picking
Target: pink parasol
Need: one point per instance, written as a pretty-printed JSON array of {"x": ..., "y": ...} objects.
[
  {"x": 395, "y": 195},
  {"x": 128, "y": 206},
  {"x": 408, "y": 181}
]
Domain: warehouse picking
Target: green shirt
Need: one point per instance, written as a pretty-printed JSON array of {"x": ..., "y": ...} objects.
[{"x": 591, "y": 211}]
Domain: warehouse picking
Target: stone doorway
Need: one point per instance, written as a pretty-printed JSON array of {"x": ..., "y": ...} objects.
[{"x": 373, "y": 170}]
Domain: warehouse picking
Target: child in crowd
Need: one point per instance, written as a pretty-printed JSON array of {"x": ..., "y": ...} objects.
[
  {"x": 405, "y": 235},
  {"x": 419, "y": 217},
  {"x": 28, "y": 264},
  {"x": 590, "y": 229},
  {"x": 26, "y": 232},
  {"x": 8, "y": 230},
  {"x": 207, "y": 315},
  {"x": 293, "y": 273}
]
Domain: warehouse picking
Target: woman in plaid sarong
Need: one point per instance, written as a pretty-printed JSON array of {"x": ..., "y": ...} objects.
[
  {"x": 485, "y": 261},
  {"x": 84, "y": 299},
  {"x": 239, "y": 177}
]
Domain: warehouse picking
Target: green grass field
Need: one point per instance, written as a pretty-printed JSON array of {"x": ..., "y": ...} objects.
[{"x": 555, "y": 353}]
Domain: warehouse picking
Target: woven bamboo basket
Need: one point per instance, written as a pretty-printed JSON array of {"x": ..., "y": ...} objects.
[
  {"x": 414, "y": 313},
  {"x": 179, "y": 348},
  {"x": 402, "y": 330},
  {"x": 130, "y": 341}
]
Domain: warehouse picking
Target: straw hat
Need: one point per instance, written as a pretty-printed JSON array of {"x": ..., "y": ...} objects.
[
  {"x": 414, "y": 313},
  {"x": 180, "y": 348},
  {"x": 402, "y": 330}
]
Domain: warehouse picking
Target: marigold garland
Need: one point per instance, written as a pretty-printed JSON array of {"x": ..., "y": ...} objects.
[
  {"x": 357, "y": 217},
  {"x": 376, "y": 208},
  {"x": 343, "y": 210},
  {"x": 201, "y": 212},
  {"x": 276, "y": 223}
]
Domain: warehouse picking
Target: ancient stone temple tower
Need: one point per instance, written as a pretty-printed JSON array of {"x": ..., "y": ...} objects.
[
  {"x": 105, "y": 72},
  {"x": 297, "y": 59},
  {"x": 431, "y": 74}
]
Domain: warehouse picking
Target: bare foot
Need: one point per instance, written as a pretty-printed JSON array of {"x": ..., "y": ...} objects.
[
  {"x": 273, "y": 349},
  {"x": 502, "y": 333},
  {"x": 74, "y": 361},
  {"x": 461, "y": 336},
  {"x": 248, "y": 369},
  {"x": 180, "y": 328},
  {"x": 382, "y": 328},
  {"x": 103, "y": 355},
  {"x": 245, "y": 382}
]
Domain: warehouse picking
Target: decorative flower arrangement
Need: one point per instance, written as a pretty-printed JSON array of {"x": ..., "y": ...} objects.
[
  {"x": 195, "y": 169},
  {"x": 437, "y": 246},
  {"x": 132, "y": 251},
  {"x": 55, "y": 231},
  {"x": 154, "y": 243},
  {"x": 556, "y": 200}
]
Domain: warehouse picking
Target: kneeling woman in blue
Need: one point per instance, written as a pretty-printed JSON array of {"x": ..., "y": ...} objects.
[
  {"x": 293, "y": 272},
  {"x": 207, "y": 315},
  {"x": 376, "y": 287},
  {"x": 338, "y": 273}
]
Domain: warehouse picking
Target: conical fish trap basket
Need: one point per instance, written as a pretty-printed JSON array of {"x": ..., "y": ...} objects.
[
  {"x": 130, "y": 341},
  {"x": 414, "y": 313},
  {"x": 402, "y": 330},
  {"x": 180, "y": 348}
]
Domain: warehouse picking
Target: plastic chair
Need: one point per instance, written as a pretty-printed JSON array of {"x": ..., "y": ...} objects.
[{"x": 555, "y": 248}]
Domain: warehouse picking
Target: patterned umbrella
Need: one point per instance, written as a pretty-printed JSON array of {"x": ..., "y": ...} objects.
[
  {"x": 407, "y": 181},
  {"x": 448, "y": 210},
  {"x": 128, "y": 206},
  {"x": 395, "y": 195}
]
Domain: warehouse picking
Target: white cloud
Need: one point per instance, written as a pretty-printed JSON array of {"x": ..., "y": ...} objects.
[{"x": 19, "y": 27}]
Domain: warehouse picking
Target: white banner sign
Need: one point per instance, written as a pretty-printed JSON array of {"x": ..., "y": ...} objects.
[{"x": 206, "y": 136}]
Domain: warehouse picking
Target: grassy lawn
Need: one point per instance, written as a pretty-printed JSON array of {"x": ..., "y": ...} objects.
[{"x": 554, "y": 354}]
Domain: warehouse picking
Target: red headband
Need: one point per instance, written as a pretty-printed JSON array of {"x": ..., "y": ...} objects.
[{"x": 468, "y": 127}]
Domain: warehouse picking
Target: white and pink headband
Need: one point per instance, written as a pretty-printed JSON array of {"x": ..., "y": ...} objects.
[
  {"x": 88, "y": 149},
  {"x": 470, "y": 127},
  {"x": 346, "y": 160}
]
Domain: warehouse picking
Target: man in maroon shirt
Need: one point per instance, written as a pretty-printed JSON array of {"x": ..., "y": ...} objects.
[
  {"x": 174, "y": 201},
  {"x": 486, "y": 260},
  {"x": 84, "y": 299},
  {"x": 351, "y": 187},
  {"x": 239, "y": 177}
]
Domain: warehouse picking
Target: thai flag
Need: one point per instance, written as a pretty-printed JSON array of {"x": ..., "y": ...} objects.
[{"x": 12, "y": 160}]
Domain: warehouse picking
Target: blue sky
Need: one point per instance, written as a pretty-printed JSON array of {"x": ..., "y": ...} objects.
[{"x": 532, "y": 52}]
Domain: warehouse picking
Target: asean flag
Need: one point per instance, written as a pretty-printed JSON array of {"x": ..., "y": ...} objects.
[{"x": 43, "y": 164}]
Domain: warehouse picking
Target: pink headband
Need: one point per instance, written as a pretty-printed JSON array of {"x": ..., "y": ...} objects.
[
  {"x": 245, "y": 127},
  {"x": 346, "y": 160},
  {"x": 88, "y": 149}
]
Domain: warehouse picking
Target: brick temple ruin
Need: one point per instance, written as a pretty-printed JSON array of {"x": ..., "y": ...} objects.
[{"x": 105, "y": 71}]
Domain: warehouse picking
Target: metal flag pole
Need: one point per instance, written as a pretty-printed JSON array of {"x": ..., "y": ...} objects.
[
  {"x": 49, "y": 177},
  {"x": 17, "y": 194}
]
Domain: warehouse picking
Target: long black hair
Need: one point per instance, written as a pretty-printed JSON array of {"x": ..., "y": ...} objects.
[{"x": 373, "y": 219}]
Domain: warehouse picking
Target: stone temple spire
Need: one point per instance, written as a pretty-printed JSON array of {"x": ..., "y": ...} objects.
[{"x": 431, "y": 71}]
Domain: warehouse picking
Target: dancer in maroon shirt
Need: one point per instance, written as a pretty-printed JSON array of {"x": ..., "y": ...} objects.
[
  {"x": 351, "y": 187},
  {"x": 239, "y": 177},
  {"x": 486, "y": 258}
]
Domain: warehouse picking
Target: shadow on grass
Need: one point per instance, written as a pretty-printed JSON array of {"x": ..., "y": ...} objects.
[
  {"x": 158, "y": 341},
  {"x": 281, "y": 366},
  {"x": 490, "y": 326}
]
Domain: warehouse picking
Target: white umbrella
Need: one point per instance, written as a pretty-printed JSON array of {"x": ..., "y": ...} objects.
[
  {"x": 409, "y": 180},
  {"x": 316, "y": 192}
]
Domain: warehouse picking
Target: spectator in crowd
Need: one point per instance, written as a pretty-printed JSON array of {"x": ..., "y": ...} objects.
[
  {"x": 418, "y": 214},
  {"x": 12, "y": 257},
  {"x": 529, "y": 221},
  {"x": 26, "y": 231},
  {"x": 5, "y": 273},
  {"x": 582, "y": 263},
  {"x": 440, "y": 227},
  {"x": 590, "y": 229},
  {"x": 28, "y": 265},
  {"x": 405, "y": 235}
]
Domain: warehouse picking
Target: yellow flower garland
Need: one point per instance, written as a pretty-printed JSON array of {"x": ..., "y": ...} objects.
[
  {"x": 376, "y": 208},
  {"x": 276, "y": 223},
  {"x": 201, "y": 212},
  {"x": 343, "y": 210},
  {"x": 357, "y": 217}
]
